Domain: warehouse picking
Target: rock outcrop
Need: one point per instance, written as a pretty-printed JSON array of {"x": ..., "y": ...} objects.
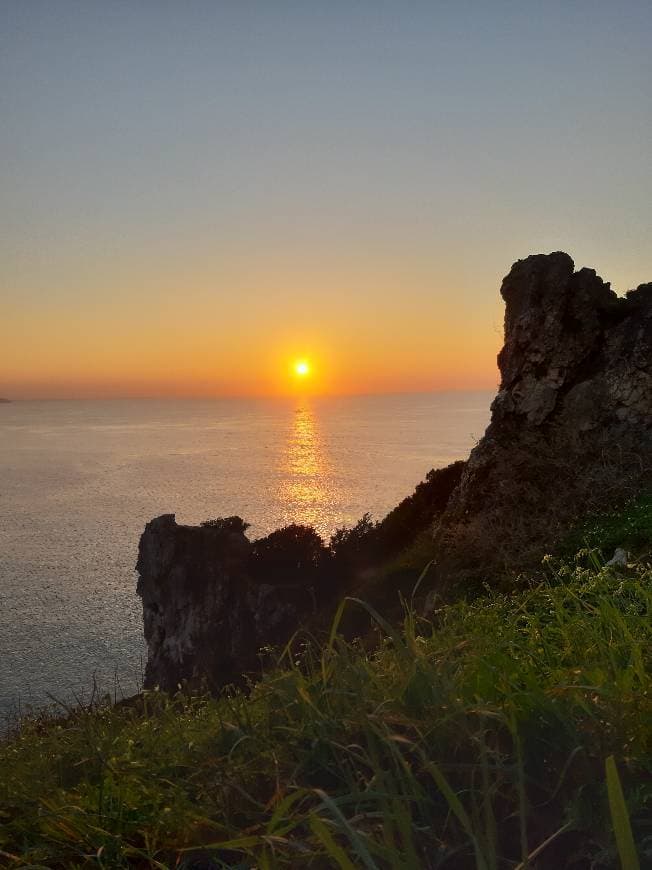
[
  {"x": 571, "y": 426},
  {"x": 205, "y": 619},
  {"x": 212, "y": 599},
  {"x": 571, "y": 431}
]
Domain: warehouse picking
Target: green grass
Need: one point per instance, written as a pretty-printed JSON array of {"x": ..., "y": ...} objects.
[
  {"x": 630, "y": 527},
  {"x": 513, "y": 731}
]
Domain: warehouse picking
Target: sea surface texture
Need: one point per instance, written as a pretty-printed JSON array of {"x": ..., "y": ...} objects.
[{"x": 79, "y": 480}]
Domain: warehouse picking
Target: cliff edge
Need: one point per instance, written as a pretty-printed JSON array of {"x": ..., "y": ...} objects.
[
  {"x": 570, "y": 433},
  {"x": 571, "y": 426},
  {"x": 204, "y": 617}
]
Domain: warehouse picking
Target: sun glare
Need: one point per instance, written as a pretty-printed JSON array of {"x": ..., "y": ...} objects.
[{"x": 301, "y": 368}]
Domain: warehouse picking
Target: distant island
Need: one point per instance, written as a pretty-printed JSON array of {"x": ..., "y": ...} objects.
[{"x": 4, "y": 401}]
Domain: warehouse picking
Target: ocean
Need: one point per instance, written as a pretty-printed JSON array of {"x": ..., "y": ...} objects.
[{"x": 79, "y": 480}]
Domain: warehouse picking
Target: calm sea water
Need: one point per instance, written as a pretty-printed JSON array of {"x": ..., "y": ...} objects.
[{"x": 79, "y": 480}]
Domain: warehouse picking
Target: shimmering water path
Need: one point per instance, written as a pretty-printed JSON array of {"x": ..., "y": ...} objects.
[{"x": 79, "y": 480}]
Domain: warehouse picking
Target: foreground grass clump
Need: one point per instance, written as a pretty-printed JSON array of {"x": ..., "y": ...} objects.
[
  {"x": 629, "y": 527},
  {"x": 514, "y": 731}
]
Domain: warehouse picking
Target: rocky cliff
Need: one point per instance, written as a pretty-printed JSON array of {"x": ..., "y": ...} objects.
[
  {"x": 205, "y": 619},
  {"x": 571, "y": 426},
  {"x": 571, "y": 431},
  {"x": 212, "y": 599}
]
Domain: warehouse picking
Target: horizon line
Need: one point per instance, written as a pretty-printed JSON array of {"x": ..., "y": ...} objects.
[{"x": 238, "y": 397}]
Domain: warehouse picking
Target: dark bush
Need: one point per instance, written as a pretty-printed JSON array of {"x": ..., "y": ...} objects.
[
  {"x": 297, "y": 556},
  {"x": 227, "y": 524},
  {"x": 417, "y": 512},
  {"x": 356, "y": 548},
  {"x": 294, "y": 555},
  {"x": 368, "y": 543}
]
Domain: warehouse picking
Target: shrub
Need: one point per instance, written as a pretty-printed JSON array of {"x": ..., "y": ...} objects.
[
  {"x": 227, "y": 524},
  {"x": 417, "y": 512},
  {"x": 293, "y": 555},
  {"x": 355, "y": 548}
]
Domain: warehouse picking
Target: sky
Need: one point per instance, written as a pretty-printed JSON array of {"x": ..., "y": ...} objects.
[{"x": 195, "y": 194}]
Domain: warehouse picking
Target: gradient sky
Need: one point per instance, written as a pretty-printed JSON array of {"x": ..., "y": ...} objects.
[{"x": 195, "y": 193}]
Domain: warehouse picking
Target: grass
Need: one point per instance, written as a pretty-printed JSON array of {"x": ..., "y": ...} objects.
[
  {"x": 630, "y": 527},
  {"x": 509, "y": 732}
]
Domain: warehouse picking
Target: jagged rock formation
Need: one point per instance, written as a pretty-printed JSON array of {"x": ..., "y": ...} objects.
[
  {"x": 212, "y": 599},
  {"x": 204, "y": 618},
  {"x": 571, "y": 426},
  {"x": 571, "y": 430}
]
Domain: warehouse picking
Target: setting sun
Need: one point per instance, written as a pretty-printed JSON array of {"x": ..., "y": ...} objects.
[{"x": 301, "y": 368}]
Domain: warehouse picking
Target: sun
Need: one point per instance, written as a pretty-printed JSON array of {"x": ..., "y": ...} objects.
[{"x": 302, "y": 368}]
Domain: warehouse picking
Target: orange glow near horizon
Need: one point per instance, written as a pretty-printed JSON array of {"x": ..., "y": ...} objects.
[
  {"x": 193, "y": 219},
  {"x": 154, "y": 344},
  {"x": 340, "y": 373}
]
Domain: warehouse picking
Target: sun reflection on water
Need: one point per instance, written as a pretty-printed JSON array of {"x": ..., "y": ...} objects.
[{"x": 307, "y": 493}]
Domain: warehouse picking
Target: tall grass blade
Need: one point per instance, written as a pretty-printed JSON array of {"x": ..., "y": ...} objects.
[
  {"x": 540, "y": 848},
  {"x": 620, "y": 818},
  {"x": 384, "y": 624},
  {"x": 458, "y": 810},
  {"x": 336, "y": 624},
  {"x": 355, "y": 838},
  {"x": 320, "y": 830},
  {"x": 422, "y": 577}
]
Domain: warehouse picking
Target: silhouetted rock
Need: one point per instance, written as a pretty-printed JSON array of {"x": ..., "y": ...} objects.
[
  {"x": 205, "y": 619},
  {"x": 571, "y": 426},
  {"x": 571, "y": 430},
  {"x": 212, "y": 599}
]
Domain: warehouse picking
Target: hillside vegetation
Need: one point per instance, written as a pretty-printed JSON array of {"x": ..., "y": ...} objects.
[{"x": 509, "y": 731}]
